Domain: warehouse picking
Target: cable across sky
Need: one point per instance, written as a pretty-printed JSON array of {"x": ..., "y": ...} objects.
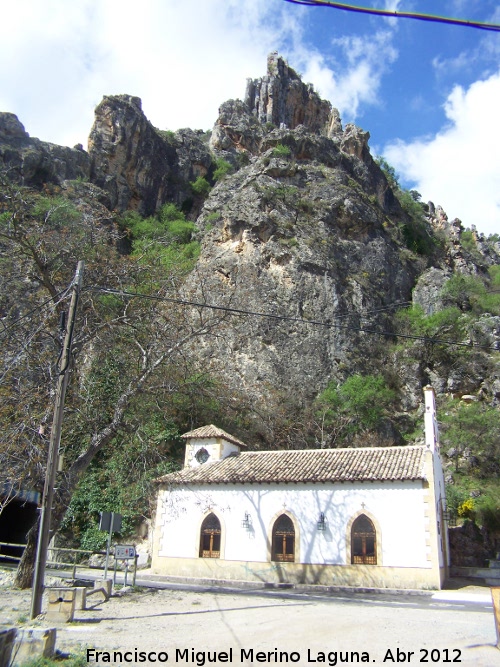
[
  {"x": 289, "y": 318},
  {"x": 398, "y": 15}
]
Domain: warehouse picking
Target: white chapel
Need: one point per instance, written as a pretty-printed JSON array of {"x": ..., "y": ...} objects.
[{"x": 363, "y": 517}]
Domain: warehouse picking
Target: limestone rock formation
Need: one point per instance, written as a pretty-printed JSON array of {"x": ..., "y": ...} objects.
[
  {"x": 32, "y": 162},
  {"x": 281, "y": 98},
  {"x": 304, "y": 236},
  {"x": 305, "y": 226},
  {"x": 140, "y": 167}
]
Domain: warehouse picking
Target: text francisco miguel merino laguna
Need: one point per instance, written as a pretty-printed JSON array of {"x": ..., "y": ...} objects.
[{"x": 201, "y": 658}]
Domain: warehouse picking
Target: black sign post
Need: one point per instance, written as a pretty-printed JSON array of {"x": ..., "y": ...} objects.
[{"x": 113, "y": 524}]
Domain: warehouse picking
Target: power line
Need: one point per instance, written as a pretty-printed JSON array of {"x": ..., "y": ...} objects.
[
  {"x": 62, "y": 294},
  {"x": 287, "y": 318},
  {"x": 399, "y": 15}
]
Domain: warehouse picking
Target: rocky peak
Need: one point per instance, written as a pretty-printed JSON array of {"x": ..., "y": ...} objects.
[
  {"x": 281, "y": 98},
  {"x": 11, "y": 127},
  {"x": 278, "y": 101},
  {"x": 139, "y": 166},
  {"x": 32, "y": 162}
]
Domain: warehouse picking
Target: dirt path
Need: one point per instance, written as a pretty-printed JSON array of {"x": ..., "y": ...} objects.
[{"x": 312, "y": 632}]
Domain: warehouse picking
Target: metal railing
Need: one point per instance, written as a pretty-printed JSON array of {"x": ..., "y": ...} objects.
[
  {"x": 68, "y": 564},
  {"x": 10, "y": 545}
]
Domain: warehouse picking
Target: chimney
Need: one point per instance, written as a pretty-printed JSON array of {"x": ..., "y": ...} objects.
[{"x": 431, "y": 426}]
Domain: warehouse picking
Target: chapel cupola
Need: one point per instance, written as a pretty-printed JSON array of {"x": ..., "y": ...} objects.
[{"x": 208, "y": 444}]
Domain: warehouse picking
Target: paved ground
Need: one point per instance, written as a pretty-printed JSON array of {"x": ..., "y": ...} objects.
[{"x": 311, "y": 631}]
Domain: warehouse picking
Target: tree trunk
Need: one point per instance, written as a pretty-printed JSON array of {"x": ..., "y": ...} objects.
[{"x": 25, "y": 569}]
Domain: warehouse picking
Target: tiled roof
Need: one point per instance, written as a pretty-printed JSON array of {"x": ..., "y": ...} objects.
[
  {"x": 371, "y": 464},
  {"x": 212, "y": 431}
]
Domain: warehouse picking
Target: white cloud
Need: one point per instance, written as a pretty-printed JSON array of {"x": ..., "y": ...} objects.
[
  {"x": 183, "y": 59},
  {"x": 458, "y": 167},
  {"x": 57, "y": 59},
  {"x": 357, "y": 81}
]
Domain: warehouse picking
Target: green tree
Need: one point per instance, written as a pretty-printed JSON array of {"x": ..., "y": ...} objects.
[
  {"x": 124, "y": 345},
  {"x": 389, "y": 172},
  {"x": 201, "y": 186},
  {"x": 358, "y": 405},
  {"x": 415, "y": 230},
  {"x": 281, "y": 151},
  {"x": 471, "y": 435},
  {"x": 222, "y": 168}
]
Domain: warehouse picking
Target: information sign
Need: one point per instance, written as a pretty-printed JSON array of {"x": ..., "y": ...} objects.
[{"x": 124, "y": 553}]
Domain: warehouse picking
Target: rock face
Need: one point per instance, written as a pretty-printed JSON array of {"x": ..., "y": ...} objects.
[
  {"x": 140, "y": 167},
  {"x": 281, "y": 98},
  {"x": 32, "y": 162},
  {"x": 304, "y": 236},
  {"x": 306, "y": 226}
]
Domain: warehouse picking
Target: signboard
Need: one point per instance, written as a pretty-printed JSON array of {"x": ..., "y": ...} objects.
[
  {"x": 110, "y": 521},
  {"x": 124, "y": 553}
]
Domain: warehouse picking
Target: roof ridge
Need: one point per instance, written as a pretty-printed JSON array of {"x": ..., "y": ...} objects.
[
  {"x": 337, "y": 449},
  {"x": 302, "y": 465},
  {"x": 212, "y": 431}
]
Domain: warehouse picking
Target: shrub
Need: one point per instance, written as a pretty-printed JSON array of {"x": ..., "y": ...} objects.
[
  {"x": 167, "y": 135},
  {"x": 201, "y": 186},
  {"x": 222, "y": 168},
  {"x": 281, "y": 151},
  {"x": 474, "y": 432},
  {"x": 360, "y": 402},
  {"x": 243, "y": 159},
  {"x": 488, "y": 513},
  {"x": 469, "y": 293},
  {"x": 467, "y": 509},
  {"x": 415, "y": 322},
  {"x": 455, "y": 496},
  {"x": 389, "y": 172},
  {"x": 467, "y": 240},
  {"x": 214, "y": 216},
  {"x": 170, "y": 212}
]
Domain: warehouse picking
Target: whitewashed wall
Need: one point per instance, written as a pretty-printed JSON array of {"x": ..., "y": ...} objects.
[
  {"x": 396, "y": 508},
  {"x": 217, "y": 448}
]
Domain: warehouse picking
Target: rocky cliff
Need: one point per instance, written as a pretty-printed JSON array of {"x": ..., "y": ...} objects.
[
  {"x": 29, "y": 161},
  {"x": 140, "y": 167},
  {"x": 305, "y": 226}
]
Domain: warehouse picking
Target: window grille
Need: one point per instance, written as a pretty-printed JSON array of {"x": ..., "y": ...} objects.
[
  {"x": 210, "y": 537},
  {"x": 363, "y": 542},
  {"x": 283, "y": 549}
]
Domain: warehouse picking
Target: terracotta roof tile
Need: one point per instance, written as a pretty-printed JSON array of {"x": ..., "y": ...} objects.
[
  {"x": 308, "y": 465},
  {"x": 212, "y": 431}
]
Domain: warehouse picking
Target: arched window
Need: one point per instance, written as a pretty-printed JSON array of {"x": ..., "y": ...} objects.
[
  {"x": 363, "y": 541},
  {"x": 283, "y": 540},
  {"x": 210, "y": 537}
]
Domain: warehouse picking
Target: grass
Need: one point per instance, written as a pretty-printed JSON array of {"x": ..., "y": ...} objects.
[{"x": 72, "y": 660}]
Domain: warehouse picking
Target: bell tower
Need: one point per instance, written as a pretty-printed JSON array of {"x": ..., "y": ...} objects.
[{"x": 208, "y": 444}]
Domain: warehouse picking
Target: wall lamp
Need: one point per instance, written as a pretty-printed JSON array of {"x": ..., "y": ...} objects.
[
  {"x": 247, "y": 521},
  {"x": 450, "y": 518},
  {"x": 322, "y": 522}
]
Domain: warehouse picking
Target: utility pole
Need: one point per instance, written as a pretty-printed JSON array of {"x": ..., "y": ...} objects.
[{"x": 54, "y": 445}]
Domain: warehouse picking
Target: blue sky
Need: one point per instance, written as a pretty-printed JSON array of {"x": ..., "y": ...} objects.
[{"x": 429, "y": 94}]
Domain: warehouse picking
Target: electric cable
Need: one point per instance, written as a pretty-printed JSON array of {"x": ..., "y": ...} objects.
[
  {"x": 399, "y": 15},
  {"x": 12, "y": 325},
  {"x": 288, "y": 318}
]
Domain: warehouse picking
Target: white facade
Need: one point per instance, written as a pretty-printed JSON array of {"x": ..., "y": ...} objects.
[
  {"x": 397, "y": 509},
  {"x": 410, "y": 548}
]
